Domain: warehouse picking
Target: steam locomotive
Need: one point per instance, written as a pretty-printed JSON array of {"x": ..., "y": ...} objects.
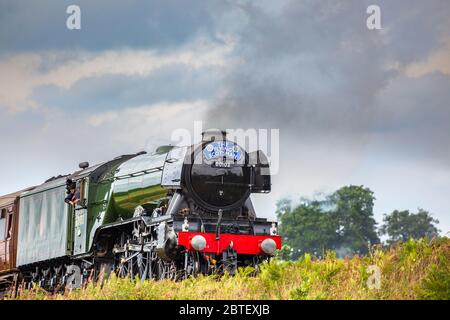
[{"x": 171, "y": 214}]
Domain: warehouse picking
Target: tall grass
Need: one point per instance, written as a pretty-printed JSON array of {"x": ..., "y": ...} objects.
[{"x": 417, "y": 269}]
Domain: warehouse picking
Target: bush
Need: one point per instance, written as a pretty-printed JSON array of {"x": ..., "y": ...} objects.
[{"x": 417, "y": 269}]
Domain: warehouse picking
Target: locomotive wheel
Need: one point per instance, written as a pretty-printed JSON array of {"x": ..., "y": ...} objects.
[
  {"x": 122, "y": 270},
  {"x": 133, "y": 264},
  {"x": 153, "y": 266},
  {"x": 191, "y": 264},
  {"x": 166, "y": 270},
  {"x": 142, "y": 265}
]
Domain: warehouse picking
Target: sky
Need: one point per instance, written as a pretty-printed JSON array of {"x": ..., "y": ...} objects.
[{"x": 352, "y": 105}]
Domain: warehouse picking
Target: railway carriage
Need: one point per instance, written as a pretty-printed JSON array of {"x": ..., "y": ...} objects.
[{"x": 9, "y": 219}]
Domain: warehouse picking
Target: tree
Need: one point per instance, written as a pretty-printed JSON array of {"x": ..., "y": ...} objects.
[
  {"x": 356, "y": 226},
  {"x": 306, "y": 228},
  {"x": 283, "y": 206},
  {"x": 343, "y": 221},
  {"x": 403, "y": 225}
]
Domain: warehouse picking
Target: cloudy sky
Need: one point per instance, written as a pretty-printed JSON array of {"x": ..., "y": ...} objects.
[{"x": 353, "y": 105}]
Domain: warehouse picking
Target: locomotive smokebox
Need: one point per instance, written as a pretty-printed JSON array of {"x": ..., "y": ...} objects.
[{"x": 215, "y": 174}]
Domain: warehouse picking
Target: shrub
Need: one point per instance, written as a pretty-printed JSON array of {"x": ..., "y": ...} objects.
[{"x": 417, "y": 269}]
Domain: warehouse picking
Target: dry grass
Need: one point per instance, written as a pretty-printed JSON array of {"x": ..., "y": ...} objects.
[{"x": 413, "y": 270}]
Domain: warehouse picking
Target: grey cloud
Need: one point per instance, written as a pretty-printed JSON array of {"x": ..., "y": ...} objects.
[
  {"x": 318, "y": 71},
  {"x": 313, "y": 70},
  {"x": 315, "y": 64},
  {"x": 413, "y": 119},
  {"x": 37, "y": 145},
  {"x": 111, "y": 92},
  {"x": 41, "y": 25},
  {"x": 414, "y": 27}
]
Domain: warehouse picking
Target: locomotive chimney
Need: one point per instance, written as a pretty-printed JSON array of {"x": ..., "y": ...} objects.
[
  {"x": 84, "y": 165},
  {"x": 213, "y": 135}
]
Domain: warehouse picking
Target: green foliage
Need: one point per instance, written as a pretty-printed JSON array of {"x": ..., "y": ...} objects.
[
  {"x": 354, "y": 215},
  {"x": 271, "y": 273},
  {"x": 283, "y": 206},
  {"x": 436, "y": 285},
  {"x": 308, "y": 229},
  {"x": 301, "y": 292},
  {"x": 285, "y": 253},
  {"x": 403, "y": 225},
  {"x": 418, "y": 269},
  {"x": 343, "y": 221}
]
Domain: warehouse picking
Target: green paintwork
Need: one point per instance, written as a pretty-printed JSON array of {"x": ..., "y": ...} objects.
[
  {"x": 49, "y": 228},
  {"x": 137, "y": 181},
  {"x": 122, "y": 188},
  {"x": 44, "y": 224}
]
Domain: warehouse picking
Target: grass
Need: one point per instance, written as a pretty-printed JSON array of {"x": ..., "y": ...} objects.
[{"x": 417, "y": 269}]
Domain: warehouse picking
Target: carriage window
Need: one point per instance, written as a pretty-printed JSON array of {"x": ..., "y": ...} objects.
[
  {"x": 9, "y": 229},
  {"x": 2, "y": 224}
]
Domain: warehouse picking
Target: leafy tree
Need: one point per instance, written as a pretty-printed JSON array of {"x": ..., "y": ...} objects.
[
  {"x": 343, "y": 222},
  {"x": 356, "y": 226},
  {"x": 403, "y": 225},
  {"x": 283, "y": 206},
  {"x": 307, "y": 229}
]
